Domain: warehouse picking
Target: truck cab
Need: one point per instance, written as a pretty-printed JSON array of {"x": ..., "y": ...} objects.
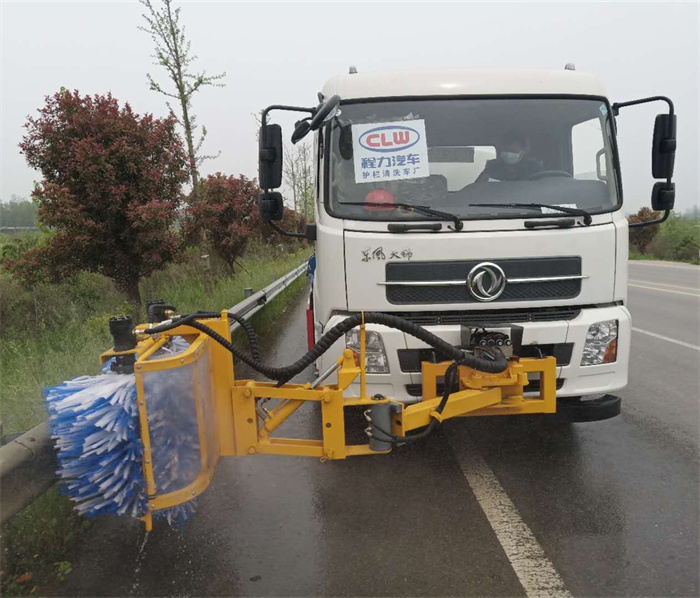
[{"x": 485, "y": 206}]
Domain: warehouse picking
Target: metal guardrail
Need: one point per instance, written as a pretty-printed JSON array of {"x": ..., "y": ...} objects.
[
  {"x": 27, "y": 463},
  {"x": 253, "y": 304}
]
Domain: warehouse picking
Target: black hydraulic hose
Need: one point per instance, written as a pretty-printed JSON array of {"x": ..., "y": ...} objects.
[
  {"x": 188, "y": 319},
  {"x": 450, "y": 381},
  {"x": 250, "y": 333},
  {"x": 494, "y": 363},
  {"x": 490, "y": 359}
]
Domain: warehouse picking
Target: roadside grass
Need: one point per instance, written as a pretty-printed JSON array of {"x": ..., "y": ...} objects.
[
  {"x": 676, "y": 240},
  {"x": 29, "y": 364},
  {"x": 635, "y": 255},
  {"x": 50, "y": 338},
  {"x": 36, "y": 545}
]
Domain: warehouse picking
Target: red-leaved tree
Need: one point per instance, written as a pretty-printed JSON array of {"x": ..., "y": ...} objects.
[
  {"x": 110, "y": 191},
  {"x": 641, "y": 238},
  {"x": 226, "y": 210}
]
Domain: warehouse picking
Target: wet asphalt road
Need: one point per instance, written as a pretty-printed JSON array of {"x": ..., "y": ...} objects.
[{"x": 610, "y": 508}]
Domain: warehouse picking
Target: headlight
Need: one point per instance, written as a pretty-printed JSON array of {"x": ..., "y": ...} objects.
[
  {"x": 376, "y": 359},
  {"x": 601, "y": 343}
]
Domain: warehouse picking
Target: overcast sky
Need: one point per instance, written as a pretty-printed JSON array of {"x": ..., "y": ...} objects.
[{"x": 284, "y": 52}]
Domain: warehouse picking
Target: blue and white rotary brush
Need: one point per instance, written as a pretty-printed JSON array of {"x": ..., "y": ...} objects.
[{"x": 94, "y": 421}]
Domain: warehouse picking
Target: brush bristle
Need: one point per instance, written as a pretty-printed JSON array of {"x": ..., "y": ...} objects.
[
  {"x": 94, "y": 421},
  {"x": 95, "y": 426}
]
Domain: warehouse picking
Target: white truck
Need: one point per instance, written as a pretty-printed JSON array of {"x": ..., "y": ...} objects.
[{"x": 483, "y": 205}]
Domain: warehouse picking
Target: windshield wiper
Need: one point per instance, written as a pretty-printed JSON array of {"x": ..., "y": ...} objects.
[
  {"x": 561, "y": 223},
  {"x": 425, "y": 210},
  {"x": 573, "y": 211},
  {"x": 404, "y": 227}
]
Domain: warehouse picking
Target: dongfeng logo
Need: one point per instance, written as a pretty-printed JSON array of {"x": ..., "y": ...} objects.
[{"x": 486, "y": 281}]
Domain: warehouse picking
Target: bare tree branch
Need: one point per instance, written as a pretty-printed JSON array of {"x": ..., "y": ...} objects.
[
  {"x": 298, "y": 176},
  {"x": 172, "y": 52}
]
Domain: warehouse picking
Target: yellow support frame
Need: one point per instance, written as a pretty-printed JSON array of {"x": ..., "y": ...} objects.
[
  {"x": 244, "y": 427},
  {"x": 481, "y": 393}
]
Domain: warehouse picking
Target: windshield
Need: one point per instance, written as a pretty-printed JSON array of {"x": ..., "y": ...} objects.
[{"x": 454, "y": 153}]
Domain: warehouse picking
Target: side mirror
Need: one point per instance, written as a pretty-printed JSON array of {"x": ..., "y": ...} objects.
[
  {"x": 663, "y": 155},
  {"x": 301, "y": 130},
  {"x": 663, "y": 196},
  {"x": 270, "y": 157},
  {"x": 324, "y": 111},
  {"x": 271, "y": 206},
  {"x": 663, "y": 149}
]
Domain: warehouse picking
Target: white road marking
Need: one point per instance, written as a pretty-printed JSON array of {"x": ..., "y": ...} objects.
[
  {"x": 643, "y": 263},
  {"x": 664, "y": 284},
  {"x": 534, "y": 570},
  {"x": 667, "y": 339},
  {"x": 639, "y": 286}
]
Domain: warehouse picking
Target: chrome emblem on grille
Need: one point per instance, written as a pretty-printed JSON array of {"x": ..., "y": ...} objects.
[{"x": 486, "y": 281}]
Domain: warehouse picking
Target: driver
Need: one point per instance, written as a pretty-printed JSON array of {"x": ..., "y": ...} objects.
[{"x": 513, "y": 162}]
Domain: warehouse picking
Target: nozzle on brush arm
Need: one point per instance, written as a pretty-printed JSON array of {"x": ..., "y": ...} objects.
[{"x": 122, "y": 330}]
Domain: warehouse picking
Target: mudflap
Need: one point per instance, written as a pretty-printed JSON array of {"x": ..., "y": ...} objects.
[{"x": 577, "y": 409}]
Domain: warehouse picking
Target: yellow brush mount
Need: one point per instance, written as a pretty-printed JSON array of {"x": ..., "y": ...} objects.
[{"x": 232, "y": 419}]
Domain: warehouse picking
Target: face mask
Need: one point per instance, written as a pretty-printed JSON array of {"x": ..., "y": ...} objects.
[{"x": 510, "y": 158}]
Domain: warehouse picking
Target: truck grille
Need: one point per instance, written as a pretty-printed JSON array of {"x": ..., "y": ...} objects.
[{"x": 525, "y": 268}]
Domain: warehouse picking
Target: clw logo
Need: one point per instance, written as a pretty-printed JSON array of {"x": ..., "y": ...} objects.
[{"x": 389, "y": 138}]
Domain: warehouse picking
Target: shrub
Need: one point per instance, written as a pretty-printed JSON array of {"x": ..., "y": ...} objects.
[
  {"x": 640, "y": 238},
  {"x": 676, "y": 239},
  {"x": 225, "y": 211},
  {"x": 110, "y": 190}
]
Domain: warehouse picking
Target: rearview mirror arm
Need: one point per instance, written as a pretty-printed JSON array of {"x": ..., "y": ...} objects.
[
  {"x": 286, "y": 233},
  {"x": 663, "y": 218},
  {"x": 617, "y": 105},
  {"x": 670, "y": 140},
  {"x": 263, "y": 123},
  {"x": 671, "y": 147},
  {"x": 310, "y": 229}
]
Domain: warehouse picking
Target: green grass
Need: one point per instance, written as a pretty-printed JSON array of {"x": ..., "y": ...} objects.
[
  {"x": 29, "y": 364},
  {"x": 635, "y": 255},
  {"x": 37, "y": 543},
  {"x": 57, "y": 332},
  {"x": 676, "y": 240},
  {"x": 256, "y": 272}
]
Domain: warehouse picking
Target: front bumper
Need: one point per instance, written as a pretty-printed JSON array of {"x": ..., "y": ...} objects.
[{"x": 572, "y": 379}]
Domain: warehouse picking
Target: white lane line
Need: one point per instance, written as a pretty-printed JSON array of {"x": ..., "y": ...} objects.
[
  {"x": 640, "y": 286},
  {"x": 664, "y": 284},
  {"x": 667, "y": 339},
  {"x": 643, "y": 263},
  {"x": 534, "y": 570}
]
